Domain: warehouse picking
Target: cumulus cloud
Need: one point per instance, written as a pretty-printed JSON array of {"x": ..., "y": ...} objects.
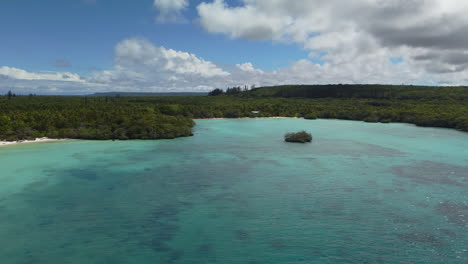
[
  {"x": 25, "y": 82},
  {"x": 245, "y": 22},
  {"x": 19, "y": 74},
  {"x": 170, "y": 10},
  {"x": 248, "y": 67},
  {"x": 135, "y": 53},
  {"x": 140, "y": 64},
  {"x": 363, "y": 33},
  {"x": 355, "y": 41}
]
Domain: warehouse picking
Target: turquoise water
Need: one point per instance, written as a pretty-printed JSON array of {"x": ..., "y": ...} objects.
[{"x": 236, "y": 193}]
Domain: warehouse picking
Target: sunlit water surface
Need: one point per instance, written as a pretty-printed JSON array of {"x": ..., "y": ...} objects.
[{"x": 236, "y": 193}]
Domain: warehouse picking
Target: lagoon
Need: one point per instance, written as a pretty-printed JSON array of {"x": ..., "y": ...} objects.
[{"x": 237, "y": 193}]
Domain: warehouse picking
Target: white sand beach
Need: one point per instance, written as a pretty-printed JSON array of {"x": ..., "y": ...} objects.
[
  {"x": 37, "y": 140},
  {"x": 255, "y": 117}
]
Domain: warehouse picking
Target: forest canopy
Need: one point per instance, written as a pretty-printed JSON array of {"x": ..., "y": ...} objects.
[
  {"x": 87, "y": 118},
  {"x": 157, "y": 117}
]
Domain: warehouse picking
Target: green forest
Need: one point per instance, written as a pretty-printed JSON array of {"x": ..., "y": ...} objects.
[
  {"x": 86, "y": 118},
  {"x": 157, "y": 117}
]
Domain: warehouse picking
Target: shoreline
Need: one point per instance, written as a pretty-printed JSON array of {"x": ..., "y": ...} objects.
[
  {"x": 37, "y": 140},
  {"x": 259, "y": 117},
  {"x": 51, "y": 140},
  {"x": 337, "y": 119}
]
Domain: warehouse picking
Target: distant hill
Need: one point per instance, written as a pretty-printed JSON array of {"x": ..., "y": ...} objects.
[
  {"x": 361, "y": 91},
  {"x": 133, "y": 94}
]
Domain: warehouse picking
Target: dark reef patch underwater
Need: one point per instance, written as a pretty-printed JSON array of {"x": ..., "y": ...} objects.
[{"x": 237, "y": 193}]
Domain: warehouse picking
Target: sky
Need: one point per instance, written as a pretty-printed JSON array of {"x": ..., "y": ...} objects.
[{"x": 85, "y": 46}]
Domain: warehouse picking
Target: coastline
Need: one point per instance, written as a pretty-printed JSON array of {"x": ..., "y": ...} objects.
[
  {"x": 338, "y": 119},
  {"x": 51, "y": 140},
  {"x": 258, "y": 117},
  {"x": 37, "y": 140}
]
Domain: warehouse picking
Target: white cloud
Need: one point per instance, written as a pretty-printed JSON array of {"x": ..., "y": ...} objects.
[
  {"x": 354, "y": 40},
  {"x": 170, "y": 10},
  {"x": 139, "y": 52},
  {"x": 138, "y": 66},
  {"x": 25, "y": 82},
  {"x": 142, "y": 66},
  {"x": 357, "y": 35},
  {"x": 139, "y": 61},
  {"x": 20, "y": 74},
  {"x": 244, "y": 22},
  {"x": 248, "y": 67}
]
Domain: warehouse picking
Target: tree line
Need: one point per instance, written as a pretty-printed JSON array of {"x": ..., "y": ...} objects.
[
  {"x": 86, "y": 118},
  {"x": 353, "y": 91},
  {"x": 24, "y": 117}
]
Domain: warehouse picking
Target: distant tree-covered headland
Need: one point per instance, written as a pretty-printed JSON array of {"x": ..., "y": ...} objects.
[
  {"x": 433, "y": 106},
  {"x": 388, "y": 92},
  {"x": 87, "y": 118},
  {"x": 157, "y": 117}
]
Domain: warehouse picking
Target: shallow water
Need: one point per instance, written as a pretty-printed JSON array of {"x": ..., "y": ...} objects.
[{"x": 236, "y": 193}]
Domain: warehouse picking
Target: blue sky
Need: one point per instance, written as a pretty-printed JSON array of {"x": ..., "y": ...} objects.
[
  {"x": 83, "y": 46},
  {"x": 36, "y": 34}
]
